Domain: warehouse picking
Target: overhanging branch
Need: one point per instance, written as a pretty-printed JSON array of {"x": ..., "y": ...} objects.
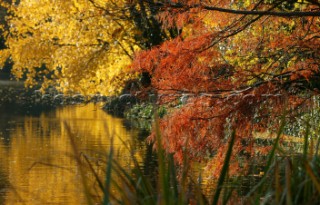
[{"x": 246, "y": 12}]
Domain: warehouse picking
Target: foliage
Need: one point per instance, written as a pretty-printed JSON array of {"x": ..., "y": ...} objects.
[
  {"x": 3, "y": 25},
  {"x": 74, "y": 45},
  {"x": 242, "y": 64},
  {"x": 119, "y": 105},
  {"x": 144, "y": 110},
  {"x": 236, "y": 65},
  {"x": 80, "y": 45}
]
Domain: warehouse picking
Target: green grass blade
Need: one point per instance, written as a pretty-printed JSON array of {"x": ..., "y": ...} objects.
[
  {"x": 173, "y": 177},
  {"x": 163, "y": 177},
  {"x": 224, "y": 170},
  {"x": 277, "y": 183},
  {"x": 305, "y": 145},
  {"x": 275, "y": 145},
  {"x": 106, "y": 199},
  {"x": 313, "y": 177},
  {"x": 184, "y": 178},
  {"x": 288, "y": 182},
  {"x": 97, "y": 178},
  {"x": 76, "y": 153}
]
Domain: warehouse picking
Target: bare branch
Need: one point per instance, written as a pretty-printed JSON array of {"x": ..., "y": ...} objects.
[{"x": 246, "y": 12}]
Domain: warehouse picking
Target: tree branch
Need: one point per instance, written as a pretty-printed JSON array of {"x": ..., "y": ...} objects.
[{"x": 246, "y": 12}]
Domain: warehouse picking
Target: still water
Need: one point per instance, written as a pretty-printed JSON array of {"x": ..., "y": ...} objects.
[{"x": 37, "y": 164}]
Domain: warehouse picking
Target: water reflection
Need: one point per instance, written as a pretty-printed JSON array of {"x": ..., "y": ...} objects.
[{"x": 35, "y": 152}]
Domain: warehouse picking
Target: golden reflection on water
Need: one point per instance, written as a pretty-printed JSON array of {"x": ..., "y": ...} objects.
[{"x": 35, "y": 153}]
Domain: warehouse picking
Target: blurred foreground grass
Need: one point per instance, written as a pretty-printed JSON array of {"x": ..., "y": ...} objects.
[{"x": 285, "y": 179}]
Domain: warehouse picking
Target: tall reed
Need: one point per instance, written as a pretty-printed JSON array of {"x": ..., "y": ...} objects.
[{"x": 287, "y": 178}]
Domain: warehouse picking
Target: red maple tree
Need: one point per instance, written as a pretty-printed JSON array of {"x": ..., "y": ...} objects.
[{"x": 237, "y": 65}]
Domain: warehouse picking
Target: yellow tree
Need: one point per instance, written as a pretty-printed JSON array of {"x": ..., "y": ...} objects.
[
  {"x": 3, "y": 12},
  {"x": 77, "y": 45}
]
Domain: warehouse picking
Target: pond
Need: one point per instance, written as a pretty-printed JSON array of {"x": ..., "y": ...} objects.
[{"x": 36, "y": 157}]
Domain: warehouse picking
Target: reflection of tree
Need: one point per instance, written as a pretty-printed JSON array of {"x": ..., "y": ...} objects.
[
  {"x": 5, "y": 127},
  {"x": 150, "y": 163},
  {"x": 149, "y": 160},
  {"x": 44, "y": 165},
  {"x": 4, "y": 185}
]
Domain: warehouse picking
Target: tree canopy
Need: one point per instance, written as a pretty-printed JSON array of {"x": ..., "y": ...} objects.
[
  {"x": 220, "y": 65},
  {"x": 241, "y": 65},
  {"x": 80, "y": 45},
  {"x": 75, "y": 45}
]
